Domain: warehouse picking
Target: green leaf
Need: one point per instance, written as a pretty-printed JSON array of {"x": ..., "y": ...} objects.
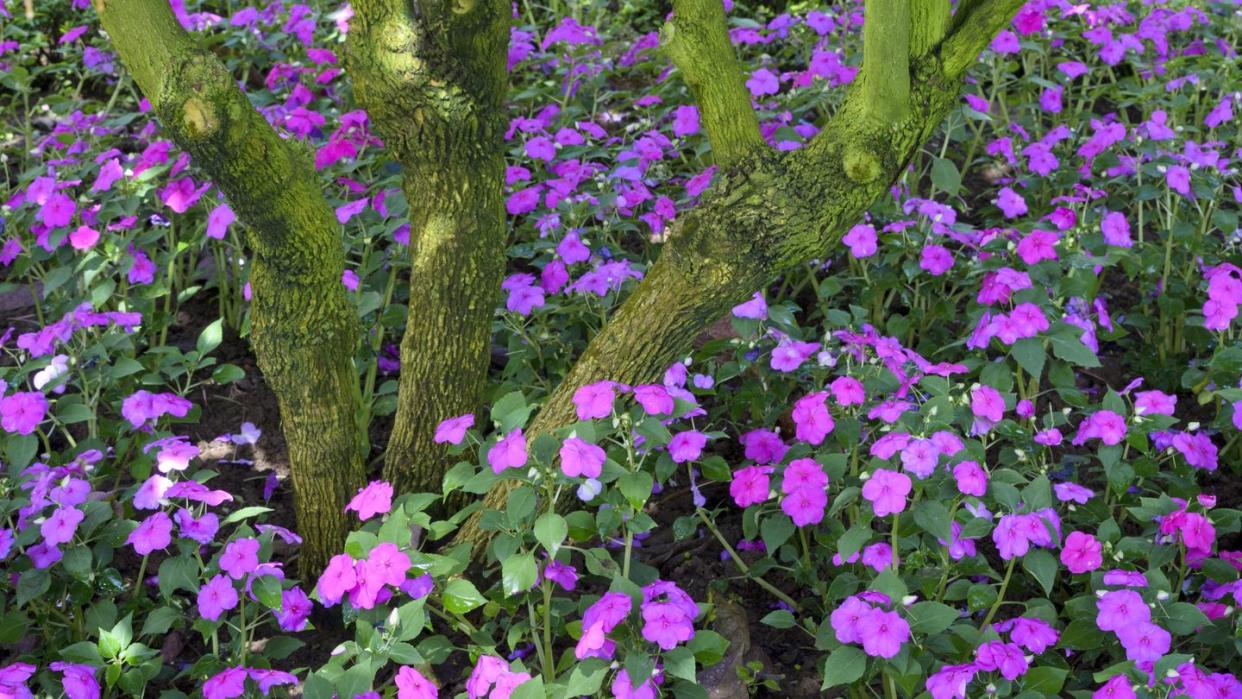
[
  {"x": 775, "y": 531},
  {"x": 708, "y": 647},
  {"x": 890, "y": 584},
  {"x": 679, "y": 662},
  {"x": 551, "y": 530},
  {"x": 530, "y": 689},
  {"x": 411, "y": 619},
  {"x": 636, "y": 487},
  {"x": 1047, "y": 681},
  {"x": 511, "y": 412},
  {"x": 1186, "y": 618},
  {"x": 518, "y": 573},
  {"x": 1072, "y": 350},
  {"x": 32, "y": 584},
  {"x": 267, "y": 590},
  {"x": 931, "y": 617},
  {"x": 180, "y": 573},
  {"x": 246, "y": 513},
  {"x": 521, "y": 505},
  {"x": 1043, "y": 567},
  {"x": 945, "y": 176},
  {"x": 933, "y": 517},
  {"x": 587, "y": 677},
  {"x": 461, "y": 596},
  {"x": 779, "y": 619},
  {"x": 845, "y": 665},
  {"x": 1029, "y": 353},
  {"x": 210, "y": 337},
  {"x": 851, "y": 542},
  {"x": 158, "y": 621}
]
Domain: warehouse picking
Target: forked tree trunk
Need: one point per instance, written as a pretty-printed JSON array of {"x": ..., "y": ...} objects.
[
  {"x": 434, "y": 85},
  {"x": 770, "y": 211},
  {"x": 304, "y": 330}
]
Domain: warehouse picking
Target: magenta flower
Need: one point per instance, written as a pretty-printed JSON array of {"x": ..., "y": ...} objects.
[
  {"x": 412, "y": 685},
  {"x": 373, "y": 499},
  {"x": 1117, "y": 687},
  {"x": 666, "y": 624},
  {"x": 654, "y": 399},
  {"x": 811, "y": 418},
  {"x": 750, "y": 485},
  {"x": 581, "y": 458},
  {"x": 755, "y": 309},
  {"x": 77, "y": 680},
  {"x": 1007, "y": 658},
  {"x": 295, "y": 609},
  {"x": 950, "y": 681},
  {"x": 22, "y": 412},
  {"x": 337, "y": 579},
  {"x": 153, "y": 534},
  {"x": 1116, "y": 229},
  {"x": 936, "y": 260},
  {"x": 920, "y": 457},
  {"x": 1104, "y": 425},
  {"x": 595, "y": 400},
  {"x": 883, "y": 633},
  {"x": 763, "y": 446},
  {"x": 861, "y": 240},
  {"x": 1035, "y": 635},
  {"x": 219, "y": 220},
  {"x": 57, "y": 211},
  {"x": 685, "y": 120},
  {"x": 1121, "y": 608},
  {"x": 227, "y": 684},
  {"x": 988, "y": 407},
  {"x": 61, "y": 526},
  {"x": 266, "y": 679},
  {"x": 847, "y": 390},
  {"x": 803, "y": 473},
  {"x": 216, "y": 597},
  {"x": 788, "y": 356},
  {"x": 561, "y": 574},
  {"x": 686, "y": 446},
  {"x": 453, "y": 430},
  {"x": 509, "y": 452},
  {"x": 849, "y": 618},
  {"x": 1081, "y": 553},
  {"x": 971, "y": 478},
  {"x": 241, "y": 556},
  {"x": 805, "y": 506},
  {"x": 1072, "y": 492},
  {"x": 886, "y": 491},
  {"x": 763, "y": 82},
  {"x": 1011, "y": 204},
  {"x": 1144, "y": 641}
]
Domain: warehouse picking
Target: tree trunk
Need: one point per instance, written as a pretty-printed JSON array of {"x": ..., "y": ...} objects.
[
  {"x": 304, "y": 329},
  {"x": 769, "y": 211},
  {"x": 433, "y": 79}
]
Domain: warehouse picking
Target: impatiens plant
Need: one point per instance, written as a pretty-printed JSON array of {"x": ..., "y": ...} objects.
[{"x": 380, "y": 349}]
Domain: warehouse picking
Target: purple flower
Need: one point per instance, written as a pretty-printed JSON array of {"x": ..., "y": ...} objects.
[
  {"x": 216, "y": 597},
  {"x": 971, "y": 478},
  {"x": 686, "y": 446},
  {"x": 60, "y": 527},
  {"x": 861, "y": 240},
  {"x": 153, "y": 534},
  {"x": 228, "y": 684},
  {"x": 750, "y": 485},
  {"x": 77, "y": 680},
  {"x": 373, "y": 499},
  {"x": 883, "y": 633},
  {"x": 453, "y": 430},
  {"x": 654, "y": 399},
  {"x": 950, "y": 681},
  {"x": 594, "y": 400},
  {"x": 1144, "y": 641},
  {"x": 412, "y": 685},
  {"x": 22, "y": 412},
  {"x": 241, "y": 556},
  {"x": 295, "y": 609},
  {"x": 1081, "y": 553},
  {"x": 1035, "y": 635},
  {"x": 755, "y": 309},
  {"x": 581, "y": 458},
  {"x": 805, "y": 506},
  {"x": 509, "y": 452},
  {"x": 1008, "y": 658},
  {"x": 1121, "y": 608},
  {"x": 337, "y": 579},
  {"x": 886, "y": 491}
]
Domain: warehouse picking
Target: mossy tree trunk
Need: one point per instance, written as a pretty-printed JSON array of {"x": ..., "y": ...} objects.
[
  {"x": 769, "y": 211},
  {"x": 304, "y": 330},
  {"x": 433, "y": 78}
]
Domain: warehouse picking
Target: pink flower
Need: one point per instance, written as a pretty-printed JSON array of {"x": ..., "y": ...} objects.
[
  {"x": 1081, "y": 553},
  {"x": 654, "y": 399},
  {"x": 666, "y": 624},
  {"x": 949, "y": 682},
  {"x": 755, "y": 309},
  {"x": 1038, "y": 245},
  {"x": 1072, "y": 492},
  {"x": 1105, "y": 425},
  {"x": 763, "y": 82},
  {"x": 883, "y": 633},
  {"x": 1144, "y": 641},
  {"x": 241, "y": 556},
  {"x": 788, "y": 356},
  {"x": 594, "y": 400},
  {"x": 764, "y": 446},
  {"x": 1008, "y": 658},
  {"x": 936, "y": 260},
  {"x": 1154, "y": 403},
  {"x": 216, "y": 597},
  {"x": 1118, "y": 687},
  {"x": 750, "y": 485},
  {"x": 581, "y": 458},
  {"x": 57, "y": 211},
  {"x": 412, "y": 685},
  {"x": 685, "y": 120},
  {"x": 803, "y": 473},
  {"x": 153, "y": 534},
  {"x": 78, "y": 681},
  {"x": 83, "y": 238},
  {"x": 1035, "y": 635},
  {"x": 971, "y": 478},
  {"x": 453, "y": 430},
  {"x": 219, "y": 220},
  {"x": 686, "y": 446},
  {"x": 295, "y": 609},
  {"x": 61, "y": 526},
  {"x": 227, "y": 684},
  {"x": 811, "y": 417},
  {"x": 1011, "y": 204},
  {"x": 849, "y": 619},
  {"x": 1116, "y": 229},
  {"x": 861, "y": 240},
  {"x": 22, "y": 412},
  {"x": 337, "y": 579},
  {"x": 373, "y": 499},
  {"x": 805, "y": 506},
  {"x": 987, "y": 405},
  {"x": 847, "y": 390},
  {"x": 886, "y": 491},
  {"x": 1121, "y": 608},
  {"x": 920, "y": 457},
  {"x": 509, "y": 452}
]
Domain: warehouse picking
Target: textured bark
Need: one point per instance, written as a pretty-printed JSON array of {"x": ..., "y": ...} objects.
[
  {"x": 432, "y": 76},
  {"x": 304, "y": 330},
  {"x": 766, "y": 212}
]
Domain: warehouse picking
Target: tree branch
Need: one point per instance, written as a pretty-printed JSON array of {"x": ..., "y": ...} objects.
[
  {"x": 974, "y": 26},
  {"x": 886, "y": 59},
  {"x": 304, "y": 329},
  {"x": 697, "y": 40},
  {"x": 929, "y": 21}
]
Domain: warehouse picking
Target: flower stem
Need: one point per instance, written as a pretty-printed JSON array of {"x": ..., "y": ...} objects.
[
  {"x": 1000, "y": 597},
  {"x": 737, "y": 560}
]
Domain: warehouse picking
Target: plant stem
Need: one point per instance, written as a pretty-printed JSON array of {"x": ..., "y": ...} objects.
[
  {"x": 737, "y": 560},
  {"x": 1000, "y": 597}
]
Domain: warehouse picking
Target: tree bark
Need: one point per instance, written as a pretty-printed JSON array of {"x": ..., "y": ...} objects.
[
  {"x": 304, "y": 330},
  {"x": 433, "y": 78},
  {"x": 769, "y": 211}
]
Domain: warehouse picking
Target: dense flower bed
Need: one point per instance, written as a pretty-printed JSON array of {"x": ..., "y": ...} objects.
[{"x": 989, "y": 446}]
